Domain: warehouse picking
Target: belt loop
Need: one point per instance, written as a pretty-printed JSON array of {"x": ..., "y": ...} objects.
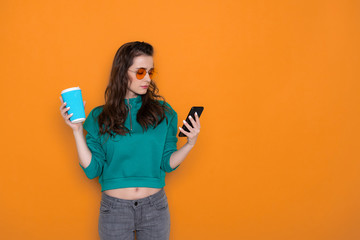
[
  {"x": 108, "y": 199},
  {"x": 151, "y": 200}
]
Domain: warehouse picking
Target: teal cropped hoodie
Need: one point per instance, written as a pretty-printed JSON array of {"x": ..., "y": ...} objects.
[{"x": 138, "y": 159}]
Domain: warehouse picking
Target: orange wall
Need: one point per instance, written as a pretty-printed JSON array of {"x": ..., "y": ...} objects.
[{"x": 278, "y": 153}]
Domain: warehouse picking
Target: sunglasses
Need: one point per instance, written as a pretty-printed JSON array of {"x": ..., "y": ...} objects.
[{"x": 141, "y": 72}]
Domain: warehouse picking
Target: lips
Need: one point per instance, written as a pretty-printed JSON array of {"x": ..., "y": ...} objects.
[{"x": 145, "y": 86}]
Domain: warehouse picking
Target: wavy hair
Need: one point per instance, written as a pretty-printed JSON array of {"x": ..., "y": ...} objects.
[{"x": 151, "y": 113}]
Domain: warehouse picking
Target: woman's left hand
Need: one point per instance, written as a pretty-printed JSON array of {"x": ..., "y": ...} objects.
[{"x": 194, "y": 131}]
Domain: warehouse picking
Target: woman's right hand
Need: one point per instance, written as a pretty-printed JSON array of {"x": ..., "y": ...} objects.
[{"x": 66, "y": 116}]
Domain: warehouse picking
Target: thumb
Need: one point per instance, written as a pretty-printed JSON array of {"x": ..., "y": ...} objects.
[{"x": 84, "y": 103}]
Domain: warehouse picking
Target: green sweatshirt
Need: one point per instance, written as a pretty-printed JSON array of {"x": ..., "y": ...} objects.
[{"x": 138, "y": 159}]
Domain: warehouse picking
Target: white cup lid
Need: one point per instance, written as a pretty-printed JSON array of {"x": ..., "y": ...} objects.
[{"x": 70, "y": 89}]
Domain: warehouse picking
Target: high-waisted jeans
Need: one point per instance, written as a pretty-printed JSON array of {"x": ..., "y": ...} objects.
[{"x": 120, "y": 218}]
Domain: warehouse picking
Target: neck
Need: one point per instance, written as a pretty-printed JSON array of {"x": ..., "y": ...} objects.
[{"x": 130, "y": 97}]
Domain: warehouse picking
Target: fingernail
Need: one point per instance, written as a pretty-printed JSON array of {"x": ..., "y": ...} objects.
[
  {"x": 184, "y": 121},
  {"x": 68, "y": 108},
  {"x": 190, "y": 117},
  {"x": 196, "y": 113}
]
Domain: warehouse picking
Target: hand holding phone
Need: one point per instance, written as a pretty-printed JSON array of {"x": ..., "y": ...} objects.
[{"x": 198, "y": 110}]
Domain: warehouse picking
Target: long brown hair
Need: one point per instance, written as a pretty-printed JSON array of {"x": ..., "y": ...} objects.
[{"x": 113, "y": 116}]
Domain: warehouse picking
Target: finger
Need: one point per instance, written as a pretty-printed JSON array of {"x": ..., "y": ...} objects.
[
  {"x": 197, "y": 119},
  {"x": 193, "y": 122},
  {"x": 63, "y": 105},
  {"x": 61, "y": 99},
  {"x": 69, "y": 116},
  {"x": 184, "y": 132},
  {"x": 64, "y": 111},
  {"x": 188, "y": 125}
]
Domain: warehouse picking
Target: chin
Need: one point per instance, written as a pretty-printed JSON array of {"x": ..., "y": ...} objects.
[{"x": 143, "y": 91}]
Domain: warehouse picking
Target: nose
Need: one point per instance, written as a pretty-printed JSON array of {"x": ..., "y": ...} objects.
[{"x": 147, "y": 77}]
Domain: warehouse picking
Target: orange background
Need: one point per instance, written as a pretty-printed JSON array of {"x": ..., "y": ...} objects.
[{"x": 278, "y": 152}]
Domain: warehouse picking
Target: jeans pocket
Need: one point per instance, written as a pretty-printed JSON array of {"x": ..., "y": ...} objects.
[
  {"x": 105, "y": 207},
  {"x": 161, "y": 204}
]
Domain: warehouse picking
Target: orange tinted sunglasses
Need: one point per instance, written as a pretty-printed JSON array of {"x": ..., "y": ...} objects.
[{"x": 141, "y": 72}]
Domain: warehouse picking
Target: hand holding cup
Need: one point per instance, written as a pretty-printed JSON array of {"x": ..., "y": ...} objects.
[
  {"x": 72, "y": 97},
  {"x": 64, "y": 113}
]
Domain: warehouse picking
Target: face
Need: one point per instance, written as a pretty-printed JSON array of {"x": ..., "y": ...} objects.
[{"x": 136, "y": 86}]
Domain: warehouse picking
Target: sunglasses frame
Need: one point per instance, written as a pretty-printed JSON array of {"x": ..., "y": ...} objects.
[{"x": 145, "y": 71}]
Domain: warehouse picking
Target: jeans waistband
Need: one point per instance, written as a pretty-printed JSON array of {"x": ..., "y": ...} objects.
[{"x": 150, "y": 199}]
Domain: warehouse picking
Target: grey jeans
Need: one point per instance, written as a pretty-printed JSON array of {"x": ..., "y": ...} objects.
[{"x": 120, "y": 218}]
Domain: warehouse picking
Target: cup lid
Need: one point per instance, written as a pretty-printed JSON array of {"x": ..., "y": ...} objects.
[{"x": 70, "y": 89}]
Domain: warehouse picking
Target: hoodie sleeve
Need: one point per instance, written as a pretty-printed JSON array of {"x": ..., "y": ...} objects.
[
  {"x": 98, "y": 157},
  {"x": 170, "y": 144}
]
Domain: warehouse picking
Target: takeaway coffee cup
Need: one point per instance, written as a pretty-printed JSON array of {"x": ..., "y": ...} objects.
[{"x": 73, "y": 98}]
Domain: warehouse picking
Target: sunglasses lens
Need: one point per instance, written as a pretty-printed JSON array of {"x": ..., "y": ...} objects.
[
  {"x": 140, "y": 73},
  {"x": 151, "y": 74}
]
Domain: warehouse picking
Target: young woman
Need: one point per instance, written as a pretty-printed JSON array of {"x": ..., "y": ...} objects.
[{"x": 131, "y": 144}]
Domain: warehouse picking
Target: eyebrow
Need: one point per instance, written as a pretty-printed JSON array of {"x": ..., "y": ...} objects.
[{"x": 144, "y": 67}]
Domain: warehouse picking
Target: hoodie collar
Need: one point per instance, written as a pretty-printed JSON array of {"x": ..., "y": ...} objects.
[{"x": 134, "y": 101}]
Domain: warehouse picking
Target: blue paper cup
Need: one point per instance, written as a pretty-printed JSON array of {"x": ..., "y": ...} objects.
[{"x": 74, "y": 100}]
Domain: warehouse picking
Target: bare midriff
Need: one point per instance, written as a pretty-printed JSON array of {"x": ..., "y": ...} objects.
[{"x": 132, "y": 193}]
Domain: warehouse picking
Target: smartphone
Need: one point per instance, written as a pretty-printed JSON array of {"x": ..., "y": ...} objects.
[{"x": 194, "y": 109}]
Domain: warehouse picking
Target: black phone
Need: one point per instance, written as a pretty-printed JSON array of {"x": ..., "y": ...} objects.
[{"x": 199, "y": 110}]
